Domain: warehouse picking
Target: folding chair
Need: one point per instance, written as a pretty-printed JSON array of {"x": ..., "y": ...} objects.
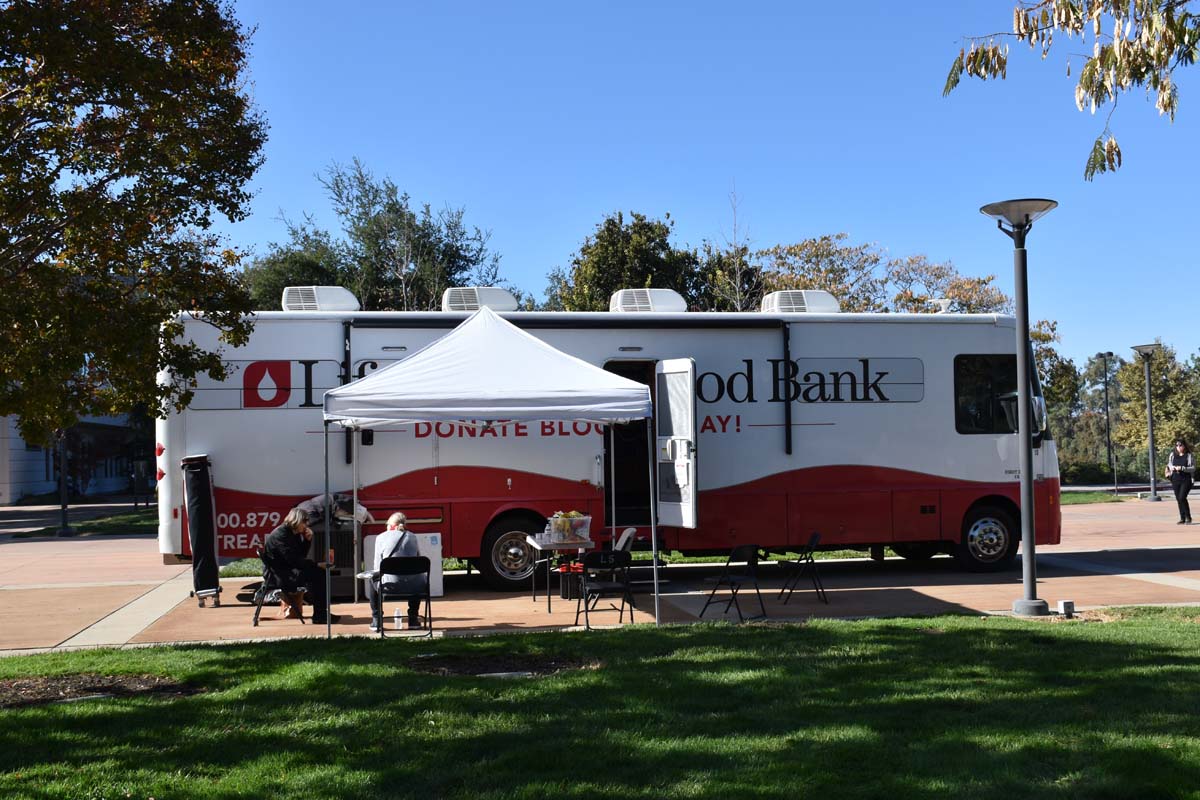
[
  {"x": 625, "y": 540},
  {"x": 405, "y": 567},
  {"x": 593, "y": 587},
  {"x": 805, "y": 563},
  {"x": 735, "y": 578},
  {"x": 270, "y": 587}
]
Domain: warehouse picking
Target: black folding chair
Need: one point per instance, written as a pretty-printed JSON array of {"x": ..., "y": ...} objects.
[
  {"x": 741, "y": 568},
  {"x": 605, "y": 574},
  {"x": 805, "y": 563},
  {"x": 271, "y": 585},
  {"x": 405, "y": 567}
]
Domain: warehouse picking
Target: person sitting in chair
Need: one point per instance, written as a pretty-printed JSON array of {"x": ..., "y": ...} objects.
[
  {"x": 395, "y": 541},
  {"x": 285, "y": 553}
]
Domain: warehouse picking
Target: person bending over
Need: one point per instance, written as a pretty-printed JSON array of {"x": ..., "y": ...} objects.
[
  {"x": 395, "y": 541},
  {"x": 285, "y": 552}
]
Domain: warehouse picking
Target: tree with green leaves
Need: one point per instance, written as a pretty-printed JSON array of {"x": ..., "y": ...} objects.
[
  {"x": 1059, "y": 377},
  {"x": 1133, "y": 45},
  {"x": 917, "y": 284},
  {"x": 623, "y": 254},
  {"x": 1175, "y": 393},
  {"x": 863, "y": 278},
  {"x": 124, "y": 131},
  {"x": 638, "y": 253},
  {"x": 392, "y": 255},
  {"x": 853, "y": 273}
]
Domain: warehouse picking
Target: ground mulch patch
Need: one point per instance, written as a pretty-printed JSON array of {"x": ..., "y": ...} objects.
[
  {"x": 493, "y": 663},
  {"x": 39, "y": 690}
]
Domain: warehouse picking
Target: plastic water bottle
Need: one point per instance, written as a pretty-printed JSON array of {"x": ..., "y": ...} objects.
[{"x": 399, "y": 620}]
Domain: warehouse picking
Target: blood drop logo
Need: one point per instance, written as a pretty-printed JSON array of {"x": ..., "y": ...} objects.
[{"x": 266, "y": 384}]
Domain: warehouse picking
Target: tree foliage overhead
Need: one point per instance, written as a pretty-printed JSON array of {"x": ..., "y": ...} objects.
[
  {"x": 392, "y": 255},
  {"x": 1134, "y": 44},
  {"x": 124, "y": 129}
]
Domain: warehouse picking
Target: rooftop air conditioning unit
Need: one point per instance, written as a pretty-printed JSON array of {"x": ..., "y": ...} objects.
[
  {"x": 801, "y": 301},
  {"x": 473, "y": 298},
  {"x": 643, "y": 300},
  {"x": 319, "y": 298}
]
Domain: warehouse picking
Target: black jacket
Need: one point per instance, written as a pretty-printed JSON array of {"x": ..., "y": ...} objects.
[{"x": 285, "y": 556}]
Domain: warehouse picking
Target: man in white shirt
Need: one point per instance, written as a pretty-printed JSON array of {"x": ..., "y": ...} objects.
[{"x": 395, "y": 541}]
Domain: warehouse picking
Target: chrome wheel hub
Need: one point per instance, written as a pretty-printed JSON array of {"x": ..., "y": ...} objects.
[
  {"x": 988, "y": 539},
  {"x": 511, "y": 556}
]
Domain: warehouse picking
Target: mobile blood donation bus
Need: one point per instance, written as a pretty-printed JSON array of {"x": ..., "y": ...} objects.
[{"x": 871, "y": 429}]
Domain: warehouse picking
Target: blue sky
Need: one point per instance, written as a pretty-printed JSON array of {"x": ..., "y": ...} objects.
[{"x": 540, "y": 118}]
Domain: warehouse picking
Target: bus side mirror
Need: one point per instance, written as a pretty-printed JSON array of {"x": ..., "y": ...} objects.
[{"x": 1040, "y": 416}]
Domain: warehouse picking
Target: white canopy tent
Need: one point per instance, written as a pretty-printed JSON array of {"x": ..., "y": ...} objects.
[{"x": 488, "y": 370}]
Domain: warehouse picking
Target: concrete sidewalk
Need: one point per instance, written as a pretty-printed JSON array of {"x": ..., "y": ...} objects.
[{"x": 111, "y": 590}]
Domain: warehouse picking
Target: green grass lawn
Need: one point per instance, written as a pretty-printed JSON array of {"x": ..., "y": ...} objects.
[
  {"x": 1079, "y": 498},
  {"x": 920, "y": 708},
  {"x": 676, "y": 557},
  {"x": 142, "y": 521}
]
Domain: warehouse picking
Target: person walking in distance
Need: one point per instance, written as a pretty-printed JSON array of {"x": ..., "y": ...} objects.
[{"x": 1181, "y": 469}]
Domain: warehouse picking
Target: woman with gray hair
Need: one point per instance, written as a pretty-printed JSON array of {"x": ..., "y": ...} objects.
[{"x": 285, "y": 554}]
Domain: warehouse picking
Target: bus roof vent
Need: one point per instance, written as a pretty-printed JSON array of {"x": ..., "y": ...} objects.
[
  {"x": 319, "y": 298},
  {"x": 643, "y": 300},
  {"x": 801, "y": 301},
  {"x": 473, "y": 298}
]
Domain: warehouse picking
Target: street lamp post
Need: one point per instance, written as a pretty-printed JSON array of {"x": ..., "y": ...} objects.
[
  {"x": 1147, "y": 351},
  {"x": 1108, "y": 424},
  {"x": 1020, "y": 216},
  {"x": 64, "y": 528}
]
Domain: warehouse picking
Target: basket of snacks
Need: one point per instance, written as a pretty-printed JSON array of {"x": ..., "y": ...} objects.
[{"x": 570, "y": 526}]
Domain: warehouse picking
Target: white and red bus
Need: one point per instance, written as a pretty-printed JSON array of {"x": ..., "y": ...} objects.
[{"x": 871, "y": 429}]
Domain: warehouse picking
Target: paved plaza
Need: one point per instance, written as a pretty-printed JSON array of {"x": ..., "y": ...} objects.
[{"x": 114, "y": 590}]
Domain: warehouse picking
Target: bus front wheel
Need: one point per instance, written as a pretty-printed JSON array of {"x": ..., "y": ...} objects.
[
  {"x": 505, "y": 558},
  {"x": 989, "y": 540}
]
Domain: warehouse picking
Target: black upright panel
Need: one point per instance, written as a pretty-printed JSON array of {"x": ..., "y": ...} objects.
[{"x": 202, "y": 523}]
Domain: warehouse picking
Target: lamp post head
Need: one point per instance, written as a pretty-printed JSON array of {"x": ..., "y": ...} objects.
[
  {"x": 1146, "y": 351},
  {"x": 1019, "y": 214},
  {"x": 1104, "y": 355}
]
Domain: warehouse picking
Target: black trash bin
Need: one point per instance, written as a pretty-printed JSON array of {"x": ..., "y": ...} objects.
[{"x": 202, "y": 527}]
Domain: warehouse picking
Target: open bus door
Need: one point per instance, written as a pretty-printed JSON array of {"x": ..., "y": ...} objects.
[{"x": 675, "y": 422}]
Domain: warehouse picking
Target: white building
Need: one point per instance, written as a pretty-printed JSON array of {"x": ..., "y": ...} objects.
[{"x": 101, "y": 460}]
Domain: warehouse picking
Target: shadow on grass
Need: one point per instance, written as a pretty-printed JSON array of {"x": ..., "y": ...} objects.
[{"x": 952, "y": 706}]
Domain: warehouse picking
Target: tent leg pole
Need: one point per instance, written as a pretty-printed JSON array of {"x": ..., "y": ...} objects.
[
  {"x": 328, "y": 574},
  {"x": 612, "y": 482},
  {"x": 653, "y": 515},
  {"x": 354, "y": 510}
]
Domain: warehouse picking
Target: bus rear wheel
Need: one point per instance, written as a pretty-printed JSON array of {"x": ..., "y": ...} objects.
[
  {"x": 505, "y": 559},
  {"x": 989, "y": 540}
]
